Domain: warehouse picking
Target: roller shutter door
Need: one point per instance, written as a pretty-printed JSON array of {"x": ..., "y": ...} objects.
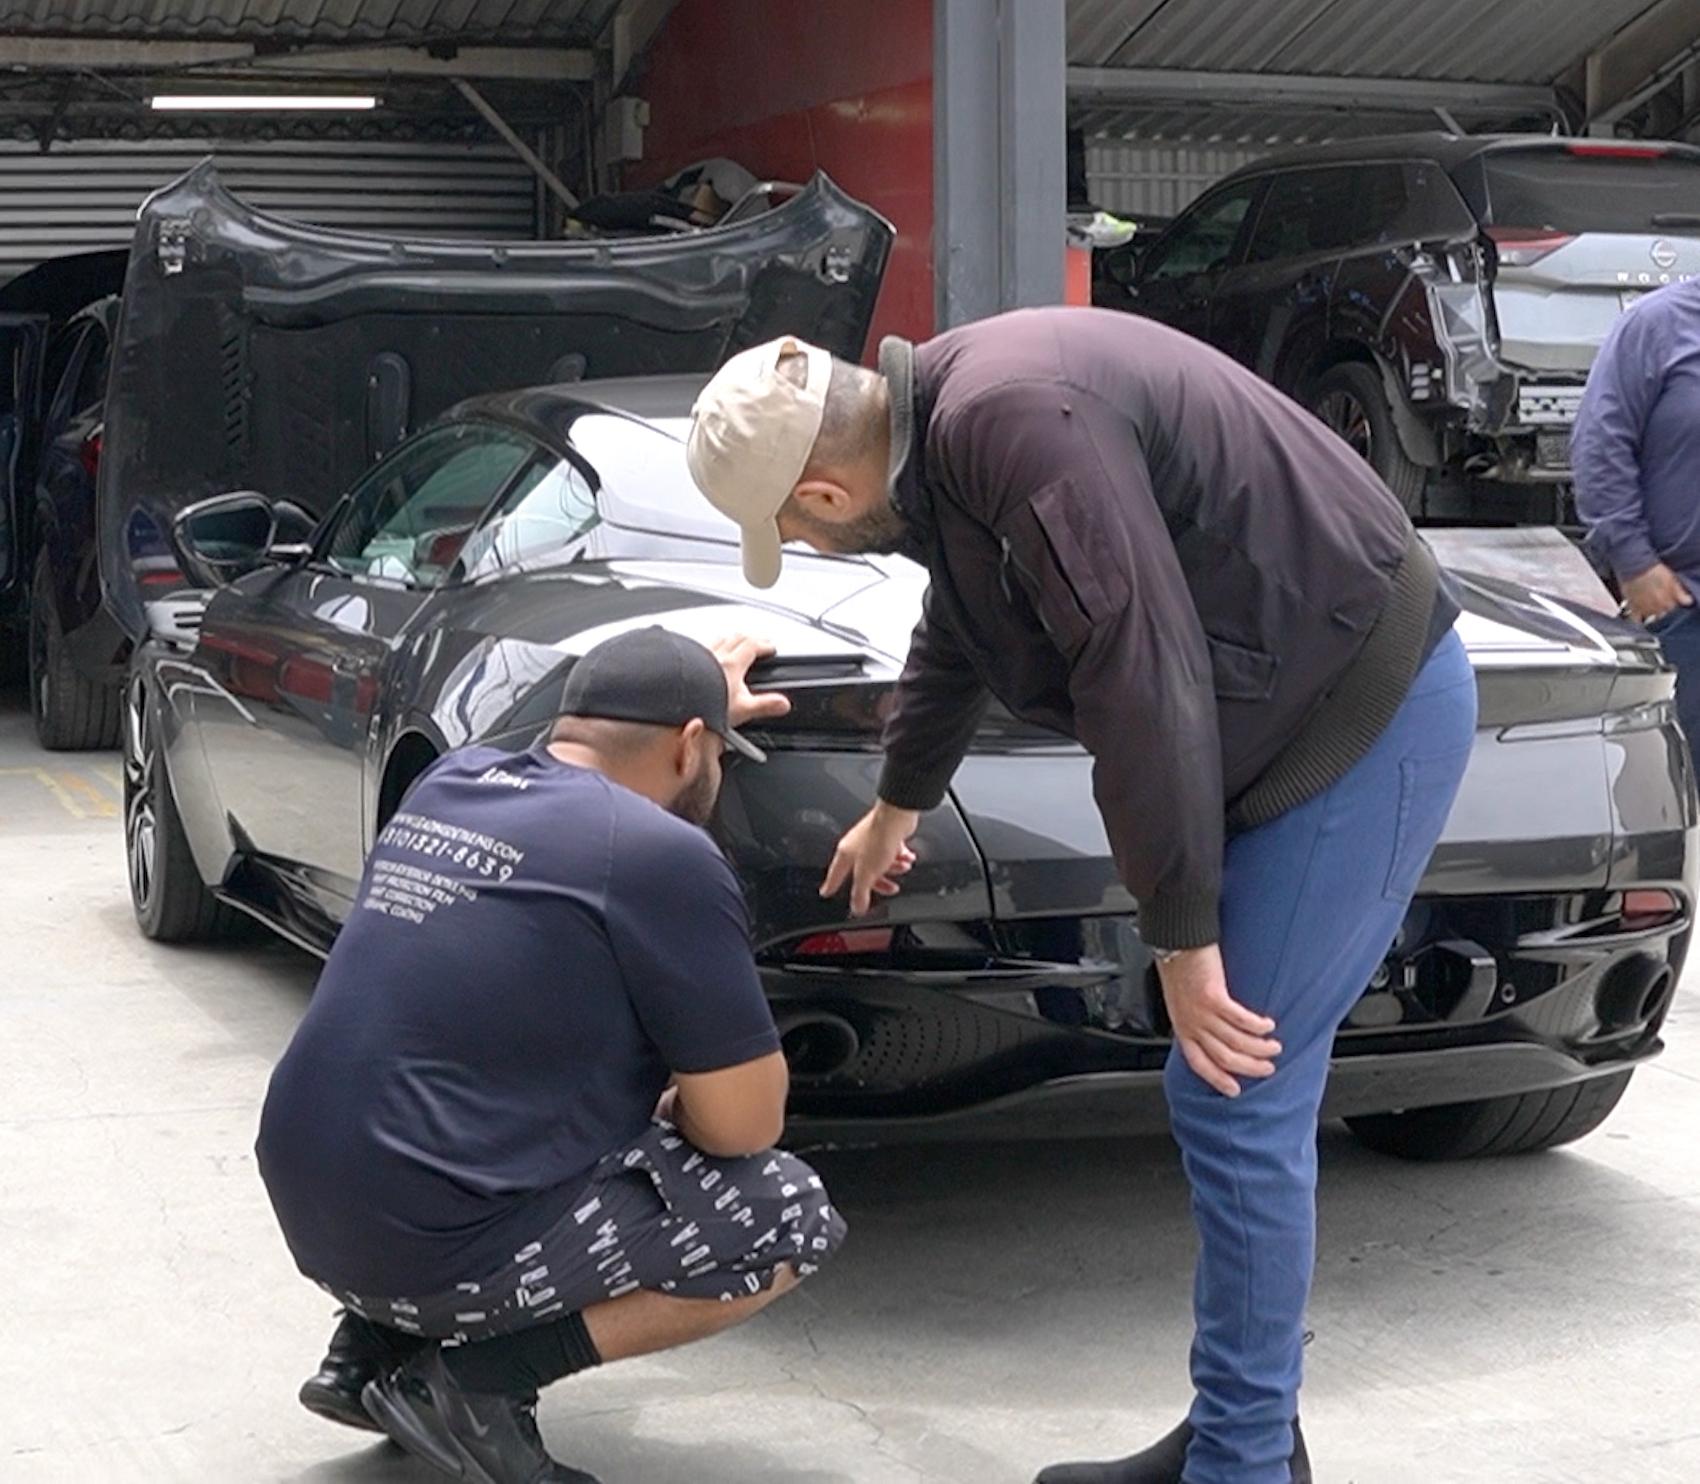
[
  {"x": 84, "y": 196},
  {"x": 1154, "y": 179}
]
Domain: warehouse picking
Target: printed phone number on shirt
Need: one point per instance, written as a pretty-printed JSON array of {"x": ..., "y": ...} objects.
[{"x": 432, "y": 838}]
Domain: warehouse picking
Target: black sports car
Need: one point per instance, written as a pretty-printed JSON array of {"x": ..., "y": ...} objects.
[{"x": 294, "y": 671}]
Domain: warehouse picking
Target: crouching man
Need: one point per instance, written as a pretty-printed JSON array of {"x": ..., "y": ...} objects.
[{"x": 524, "y": 1127}]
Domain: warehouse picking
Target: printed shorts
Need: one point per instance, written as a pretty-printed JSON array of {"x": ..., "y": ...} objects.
[{"x": 659, "y": 1215}]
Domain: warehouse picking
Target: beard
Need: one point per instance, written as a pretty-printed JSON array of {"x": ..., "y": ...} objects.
[
  {"x": 881, "y": 531},
  {"x": 695, "y": 802}
]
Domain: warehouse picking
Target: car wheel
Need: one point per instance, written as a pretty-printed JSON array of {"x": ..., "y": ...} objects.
[
  {"x": 171, "y": 902},
  {"x": 1518, "y": 1124},
  {"x": 1351, "y": 401},
  {"x": 72, "y": 713}
]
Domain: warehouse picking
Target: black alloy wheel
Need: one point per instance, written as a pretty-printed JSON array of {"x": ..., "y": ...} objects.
[
  {"x": 171, "y": 902},
  {"x": 1351, "y": 401},
  {"x": 1345, "y": 415}
]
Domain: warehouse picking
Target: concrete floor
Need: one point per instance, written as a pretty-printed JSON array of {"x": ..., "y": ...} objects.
[{"x": 996, "y": 1308}]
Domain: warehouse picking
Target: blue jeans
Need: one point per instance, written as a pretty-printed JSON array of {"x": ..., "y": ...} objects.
[
  {"x": 1311, "y": 903},
  {"x": 1678, "y": 633}
]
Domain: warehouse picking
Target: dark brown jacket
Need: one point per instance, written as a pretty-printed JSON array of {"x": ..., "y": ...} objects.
[{"x": 1134, "y": 541}]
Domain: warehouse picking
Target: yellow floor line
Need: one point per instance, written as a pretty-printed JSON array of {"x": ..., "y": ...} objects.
[
  {"x": 97, "y": 805},
  {"x": 57, "y": 789},
  {"x": 112, "y": 777}
]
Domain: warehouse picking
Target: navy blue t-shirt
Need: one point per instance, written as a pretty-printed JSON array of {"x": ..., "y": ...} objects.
[{"x": 533, "y": 951}]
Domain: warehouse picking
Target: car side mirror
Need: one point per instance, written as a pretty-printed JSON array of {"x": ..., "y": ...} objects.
[
  {"x": 228, "y": 535},
  {"x": 292, "y": 534},
  {"x": 1121, "y": 267}
]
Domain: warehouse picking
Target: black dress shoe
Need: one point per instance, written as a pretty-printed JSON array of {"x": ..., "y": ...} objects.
[
  {"x": 1161, "y": 1463},
  {"x": 467, "y": 1435},
  {"x": 359, "y": 1352}
]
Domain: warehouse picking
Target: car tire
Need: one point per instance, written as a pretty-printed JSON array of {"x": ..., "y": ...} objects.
[
  {"x": 14, "y": 654},
  {"x": 171, "y": 902},
  {"x": 72, "y": 713},
  {"x": 1351, "y": 400},
  {"x": 1521, "y": 1123}
]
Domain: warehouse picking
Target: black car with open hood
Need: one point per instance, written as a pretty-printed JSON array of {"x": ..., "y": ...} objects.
[
  {"x": 258, "y": 353},
  {"x": 296, "y": 671}
]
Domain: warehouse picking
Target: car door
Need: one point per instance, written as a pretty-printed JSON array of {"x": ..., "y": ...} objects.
[
  {"x": 294, "y": 659},
  {"x": 65, "y": 482},
  {"x": 1308, "y": 220},
  {"x": 1177, "y": 277},
  {"x": 23, "y": 345}
]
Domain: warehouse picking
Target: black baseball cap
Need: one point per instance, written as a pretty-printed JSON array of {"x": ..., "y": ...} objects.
[{"x": 653, "y": 676}]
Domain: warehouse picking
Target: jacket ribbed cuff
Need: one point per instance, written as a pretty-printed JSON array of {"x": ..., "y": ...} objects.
[
  {"x": 1181, "y": 919},
  {"x": 910, "y": 788}
]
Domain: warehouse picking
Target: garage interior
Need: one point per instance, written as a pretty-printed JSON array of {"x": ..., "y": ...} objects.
[
  {"x": 998, "y": 1306},
  {"x": 496, "y": 118},
  {"x": 1168, "y": 99}
]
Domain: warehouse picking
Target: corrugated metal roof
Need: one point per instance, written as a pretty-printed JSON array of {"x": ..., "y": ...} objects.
[
  {"x": 564, "y": 22},
  {"x": 1241, "y": 127},
  {"x": 1529, "y": 41},
  {"x": 1098, "y": 29},
  {"x": 1500, "y": 41}
]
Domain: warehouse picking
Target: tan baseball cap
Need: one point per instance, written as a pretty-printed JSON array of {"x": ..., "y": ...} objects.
[{"x": 751, "y": 432}]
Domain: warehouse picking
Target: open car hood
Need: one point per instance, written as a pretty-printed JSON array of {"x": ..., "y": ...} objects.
[{"x": 258, "y": 353}]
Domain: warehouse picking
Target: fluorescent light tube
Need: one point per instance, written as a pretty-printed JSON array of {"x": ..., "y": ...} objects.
[{"x": 260, "y": 103}]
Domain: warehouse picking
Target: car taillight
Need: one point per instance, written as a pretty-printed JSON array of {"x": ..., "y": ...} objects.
[
  {"x": 1520, "y": 246},
  {"x": 89, "y": 453},
  {"x": 1648, "y": 907},
  {"x": 844, "y": 943},
  {"x": 1605, "y": 151}
]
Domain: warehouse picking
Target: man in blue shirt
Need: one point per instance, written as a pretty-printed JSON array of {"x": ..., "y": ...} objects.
[
  {"x": 1636, "y": 453},
  {"x": 525, "y": 1125}
]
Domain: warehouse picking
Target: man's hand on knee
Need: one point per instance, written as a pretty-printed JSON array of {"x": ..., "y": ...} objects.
[{"x": 1219, "y": 1037}]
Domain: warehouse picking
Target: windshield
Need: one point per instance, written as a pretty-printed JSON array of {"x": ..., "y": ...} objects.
[{"x": 1563, "y": 191}]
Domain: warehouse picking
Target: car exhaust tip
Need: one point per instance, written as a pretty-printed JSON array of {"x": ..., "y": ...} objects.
[
  {"x": 1634, "y": 995},
  {"x": 817, "y": 1046}
]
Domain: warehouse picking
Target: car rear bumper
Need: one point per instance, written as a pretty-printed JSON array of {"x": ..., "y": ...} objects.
[
  {"x": 878, "y": 1055},
  {"x": 1116, "y": 1104}
]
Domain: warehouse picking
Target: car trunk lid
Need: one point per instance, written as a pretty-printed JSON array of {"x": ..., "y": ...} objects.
[
  {"x": 1580, "y": 229},
  {"x": 259, "y": 353},
  {"x": 1547, "y": 671}
]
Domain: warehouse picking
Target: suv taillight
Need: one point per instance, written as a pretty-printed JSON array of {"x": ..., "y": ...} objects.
[
  {"x": 1518, "y": 247},
  {"x": 1617, "y": 151},
  {"x": 89, "y": 454}
]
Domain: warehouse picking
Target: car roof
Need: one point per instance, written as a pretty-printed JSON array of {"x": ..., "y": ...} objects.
[
  {"x": 1447, "y": 150},
  {"x": 657, "y": 399},
  {"x": 547, "y": 412}
]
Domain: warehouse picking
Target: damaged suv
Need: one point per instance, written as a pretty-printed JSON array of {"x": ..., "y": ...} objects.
[{"x": 1436, "y": 299}]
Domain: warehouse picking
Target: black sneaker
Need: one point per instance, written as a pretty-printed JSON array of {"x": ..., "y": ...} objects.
[
  {"x": 1161, "y": 1463},
  {"x": 467, "y": 1435},
  {"x": 359, "y": 1352}
]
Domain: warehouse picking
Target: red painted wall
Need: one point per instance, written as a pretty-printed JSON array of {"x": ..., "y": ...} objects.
[{"x": 786, "y": 88}]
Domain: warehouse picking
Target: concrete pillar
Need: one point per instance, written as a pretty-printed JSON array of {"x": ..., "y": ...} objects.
[{"x": 999, "y": 172}]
